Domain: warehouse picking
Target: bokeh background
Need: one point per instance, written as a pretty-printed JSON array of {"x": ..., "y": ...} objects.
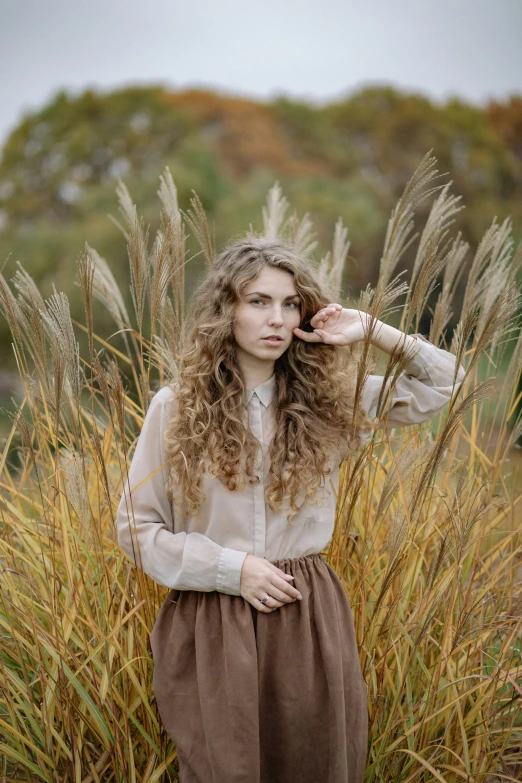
[{"x": 338, "y": 101}]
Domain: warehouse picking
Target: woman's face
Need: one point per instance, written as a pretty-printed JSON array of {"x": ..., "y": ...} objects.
[{"x": 269, "y": 306}]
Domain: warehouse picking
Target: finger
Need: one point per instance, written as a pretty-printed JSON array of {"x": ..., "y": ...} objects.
[
  {"x": 279, "y": 595},
  {"x": 281, "y": 581},
  {"x": 308, "y": 337},
  {"x": 332, "y": 306},
  {"x": 285, "y": 597},
  {"x": 334, "y": 309},
  {"x": 262, "y": 607},
  {"x": 280, "y": 572},
  {"x": 327, "y": 337},
  {"x": 256, "y": 603},
  {"x": 271, "y": 603},
  {"x": 280, "y": 588},
  {"x": 322, "y": 316},
  {"x": 319, "y": 321},
  {"x": 287, "y": 577}
]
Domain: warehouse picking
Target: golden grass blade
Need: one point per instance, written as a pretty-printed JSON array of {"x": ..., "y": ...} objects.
[
  {"x": 197, "y": 220},
  {"x": 274, "y": 213}
]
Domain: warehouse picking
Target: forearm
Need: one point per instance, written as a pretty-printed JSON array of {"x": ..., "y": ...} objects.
[
  {"x": 182, "y": 561},
  {"x": 387, "y": 337}
]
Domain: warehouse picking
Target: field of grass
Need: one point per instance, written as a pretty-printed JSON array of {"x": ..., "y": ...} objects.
[{"x": 427, "y": 538}]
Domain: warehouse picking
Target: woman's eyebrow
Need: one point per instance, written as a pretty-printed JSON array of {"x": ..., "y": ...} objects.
[{"x": 267, "y": 296}]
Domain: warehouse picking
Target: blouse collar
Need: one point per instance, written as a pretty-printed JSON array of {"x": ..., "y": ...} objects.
[{"x": 264, "y": 391}]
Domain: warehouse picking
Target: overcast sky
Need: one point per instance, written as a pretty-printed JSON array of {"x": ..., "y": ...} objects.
[{"x": 314, "y": 49}]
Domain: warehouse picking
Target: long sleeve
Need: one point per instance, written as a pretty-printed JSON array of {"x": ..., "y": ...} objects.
[
  {"x": 421, "y": 391},
  {"x": 185, "y": 561}
]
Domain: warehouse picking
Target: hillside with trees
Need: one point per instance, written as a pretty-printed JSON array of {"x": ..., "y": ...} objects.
[{"x": 351, "y": 159}]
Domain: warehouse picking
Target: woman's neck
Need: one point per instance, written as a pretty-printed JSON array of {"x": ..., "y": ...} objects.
[{"x": 254, "y": 374}]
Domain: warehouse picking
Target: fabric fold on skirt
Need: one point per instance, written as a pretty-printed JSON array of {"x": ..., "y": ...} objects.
[{"x": 251, "y": 697}]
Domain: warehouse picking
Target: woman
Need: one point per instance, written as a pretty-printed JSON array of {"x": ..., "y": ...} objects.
[{"x": 256, "y": 668}]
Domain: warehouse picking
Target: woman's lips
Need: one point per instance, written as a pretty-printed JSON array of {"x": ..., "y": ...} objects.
[{"x": 272, "y": 341}]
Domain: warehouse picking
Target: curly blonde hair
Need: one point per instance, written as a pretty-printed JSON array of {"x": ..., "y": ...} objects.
[{"x": 313, "y": 399}]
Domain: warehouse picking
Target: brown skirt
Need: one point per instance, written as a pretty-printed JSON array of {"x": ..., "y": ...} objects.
[{"x": 254, "y": 697}]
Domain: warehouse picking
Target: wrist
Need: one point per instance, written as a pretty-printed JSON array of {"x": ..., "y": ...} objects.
[{"x": 388, "y": 338}]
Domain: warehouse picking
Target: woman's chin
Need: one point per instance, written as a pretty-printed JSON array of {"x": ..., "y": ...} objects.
[
  {"x": 273, "y": 350},
  {"x": 267, "y": 354}
]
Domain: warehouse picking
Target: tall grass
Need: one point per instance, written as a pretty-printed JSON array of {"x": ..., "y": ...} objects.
[{"x": 427, "y": 538}]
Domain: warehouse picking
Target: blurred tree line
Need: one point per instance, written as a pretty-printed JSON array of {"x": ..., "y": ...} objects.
[{"x": 352, "y": 159}]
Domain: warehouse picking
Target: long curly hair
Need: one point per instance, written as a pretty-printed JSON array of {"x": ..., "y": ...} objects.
[{"x": 313, "y": 399}]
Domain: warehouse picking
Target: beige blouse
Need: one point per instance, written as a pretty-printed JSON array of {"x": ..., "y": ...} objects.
[{"x": 206, "y": 552}]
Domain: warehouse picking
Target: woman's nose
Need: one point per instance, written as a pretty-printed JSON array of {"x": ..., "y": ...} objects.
[{"x": 276, "y": 316}]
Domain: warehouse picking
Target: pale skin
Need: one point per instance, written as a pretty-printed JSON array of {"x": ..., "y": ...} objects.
[{"x": 270, "y": 305}]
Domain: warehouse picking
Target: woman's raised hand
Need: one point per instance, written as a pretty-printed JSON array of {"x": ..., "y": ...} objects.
[
  {"x": 335, "y": 325},
  {"x": 260, "y": 577}
]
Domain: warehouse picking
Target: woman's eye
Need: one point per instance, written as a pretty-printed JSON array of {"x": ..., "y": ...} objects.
[{"x": 293, "y": 304}]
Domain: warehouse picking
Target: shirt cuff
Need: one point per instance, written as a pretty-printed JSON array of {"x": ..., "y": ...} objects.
[
  {"x": 229, "y": 571},
  {"x": 418, "y": 366}
]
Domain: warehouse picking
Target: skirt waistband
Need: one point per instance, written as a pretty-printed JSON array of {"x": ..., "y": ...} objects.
[{"x": 288, "y": 564}]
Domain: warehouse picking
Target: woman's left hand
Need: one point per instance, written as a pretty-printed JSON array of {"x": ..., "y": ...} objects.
[{"x": 335, "y": 325}]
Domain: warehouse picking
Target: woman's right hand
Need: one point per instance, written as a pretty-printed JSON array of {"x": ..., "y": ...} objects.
[{"x": 260, "y": 577}]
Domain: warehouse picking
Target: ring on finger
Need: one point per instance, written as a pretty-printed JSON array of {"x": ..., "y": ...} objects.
[{"x": 265, "y": 599}]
